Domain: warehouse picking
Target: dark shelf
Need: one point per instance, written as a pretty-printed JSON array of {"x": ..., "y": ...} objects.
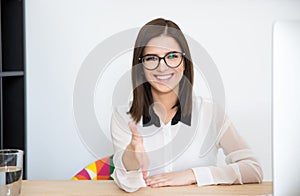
[
  {"x": 12, "y": 35},
  {"x": 11, "y": 73},
  {"x": 13, "y": 108},
  {"x": 12, "y": 76}
]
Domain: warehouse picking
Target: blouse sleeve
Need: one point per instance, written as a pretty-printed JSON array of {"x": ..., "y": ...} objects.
[
  {"x": 129, "y": 181},
  {"x": 242, "y": 166}
]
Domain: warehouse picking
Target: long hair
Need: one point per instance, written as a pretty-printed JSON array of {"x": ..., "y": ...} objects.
[{"x": 142, "y": 96}]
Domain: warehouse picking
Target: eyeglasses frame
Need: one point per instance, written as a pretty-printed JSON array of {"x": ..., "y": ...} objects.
[{"x": 160, "y": 58}]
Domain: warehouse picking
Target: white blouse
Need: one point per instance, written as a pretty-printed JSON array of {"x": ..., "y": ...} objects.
[{"x": 180, "y": 147}]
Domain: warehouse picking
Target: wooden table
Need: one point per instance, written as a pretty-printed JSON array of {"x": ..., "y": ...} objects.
[{"x": 107, "y": 187}]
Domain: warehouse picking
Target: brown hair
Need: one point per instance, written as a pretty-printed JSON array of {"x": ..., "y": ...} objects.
[{"x": 142, "y": 96}]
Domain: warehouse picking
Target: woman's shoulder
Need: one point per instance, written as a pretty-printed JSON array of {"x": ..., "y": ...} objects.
[
  {"x": 202, "y": 102},
  {"x": 201, "y": 99},
  {"x": 207, "y": 102},
  {"x": 211, "y": 107}
]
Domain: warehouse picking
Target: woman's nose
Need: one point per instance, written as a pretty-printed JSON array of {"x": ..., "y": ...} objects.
[{"x": 162, "y": 66}]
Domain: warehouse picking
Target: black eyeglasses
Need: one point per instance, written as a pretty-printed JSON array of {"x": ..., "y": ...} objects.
[{"x": 172, "y": 59}]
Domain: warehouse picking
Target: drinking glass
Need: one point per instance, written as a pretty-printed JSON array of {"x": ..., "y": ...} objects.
[{"x": 11, "y": 169}]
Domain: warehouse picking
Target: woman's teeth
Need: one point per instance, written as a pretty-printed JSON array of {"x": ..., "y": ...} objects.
[{"x": 164, "y": 77}]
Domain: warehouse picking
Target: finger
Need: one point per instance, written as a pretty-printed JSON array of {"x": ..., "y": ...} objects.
[
  {"x": 144, "y": 168},
  {"x": 155, "y": 179},
  {"x": 132, "y": 128},
  {"x": 144, "y": 171},
  {"x": 143, "y": 163},
  {"x": 136, "y": 136},
  {"x": 139, "y": 157},
  {"x": 138, "y": 147},
  {"x": 145, "y": 174},
  {"x": 160, "y": 184}
]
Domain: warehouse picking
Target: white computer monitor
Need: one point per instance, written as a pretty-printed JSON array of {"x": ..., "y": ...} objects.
[{"x": 286, "y": 108}]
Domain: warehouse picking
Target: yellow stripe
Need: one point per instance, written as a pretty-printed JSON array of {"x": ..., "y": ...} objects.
[{"x": 92, "y": 167}]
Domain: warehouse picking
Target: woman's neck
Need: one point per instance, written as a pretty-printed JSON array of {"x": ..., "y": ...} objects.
[
  {"x": 167, "y": 100},
  {"x": 164, "y": 104}
]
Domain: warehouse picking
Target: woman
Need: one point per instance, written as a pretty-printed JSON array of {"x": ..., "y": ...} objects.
[{"x": 159, "y": 139}]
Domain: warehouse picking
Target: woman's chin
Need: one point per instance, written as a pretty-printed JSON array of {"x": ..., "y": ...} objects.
[{"x": 160, "y": 88}]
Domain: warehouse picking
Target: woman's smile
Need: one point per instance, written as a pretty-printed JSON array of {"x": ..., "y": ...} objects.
[{"x": 163, "y": 77}]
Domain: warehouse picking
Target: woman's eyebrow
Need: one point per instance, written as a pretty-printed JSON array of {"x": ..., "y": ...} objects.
[{"x": 150, "y": 54}]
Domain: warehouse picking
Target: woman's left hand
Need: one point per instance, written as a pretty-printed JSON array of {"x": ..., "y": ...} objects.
[{"x": 186, "y": 177}]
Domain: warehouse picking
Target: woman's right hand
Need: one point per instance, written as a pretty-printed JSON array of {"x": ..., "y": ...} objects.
[{"x": 135, "y": 156}]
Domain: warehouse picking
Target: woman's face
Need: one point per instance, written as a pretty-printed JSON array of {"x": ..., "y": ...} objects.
[{"x": 163, "y": 79}]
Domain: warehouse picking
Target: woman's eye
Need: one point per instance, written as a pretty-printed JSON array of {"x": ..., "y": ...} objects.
[
  {"x": 150, "y": 58},
  {"x": 172, "y": 56}
]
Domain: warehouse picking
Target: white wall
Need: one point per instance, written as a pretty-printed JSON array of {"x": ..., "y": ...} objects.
[{"x": 60, "y": 34}]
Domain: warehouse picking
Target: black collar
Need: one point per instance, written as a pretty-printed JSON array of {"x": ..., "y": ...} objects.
[{"x": 153, "y": 119}]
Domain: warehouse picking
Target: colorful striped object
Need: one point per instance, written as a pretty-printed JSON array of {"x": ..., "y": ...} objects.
[{"x": 98, "y": 170}]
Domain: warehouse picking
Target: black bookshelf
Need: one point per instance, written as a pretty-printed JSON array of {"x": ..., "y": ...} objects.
[{"x": 12, "y": 75}]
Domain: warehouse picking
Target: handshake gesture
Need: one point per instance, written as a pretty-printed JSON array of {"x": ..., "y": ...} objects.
[{"x": 135, "y": 158}]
